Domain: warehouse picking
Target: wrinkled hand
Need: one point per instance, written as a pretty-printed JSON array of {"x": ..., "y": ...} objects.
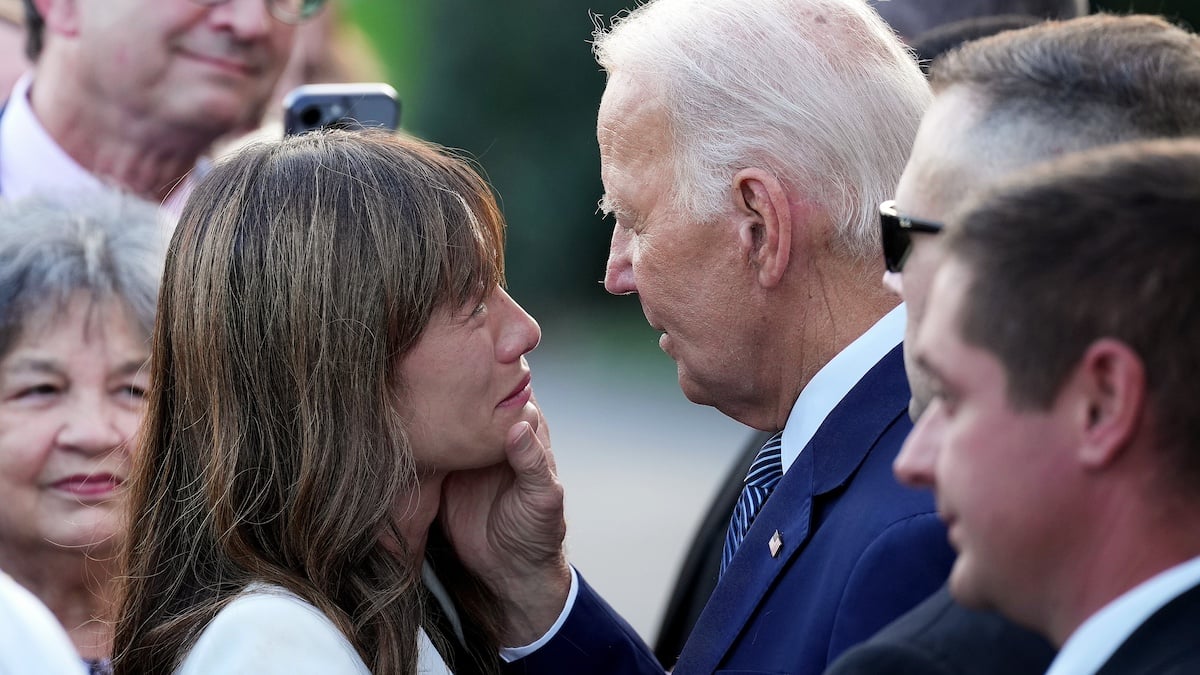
[{"x": 506, "y": 524}]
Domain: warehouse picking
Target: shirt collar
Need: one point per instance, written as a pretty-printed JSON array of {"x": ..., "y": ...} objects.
[
  {"x": 1097, "y": 639},
  {"x": 833, "y": 381},
  {"x": 30, "y": 160}
]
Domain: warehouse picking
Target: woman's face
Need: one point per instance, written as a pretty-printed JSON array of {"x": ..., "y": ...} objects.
[
  {"x": 71, "y": 397},
  {"x": 466, "y": 383}
]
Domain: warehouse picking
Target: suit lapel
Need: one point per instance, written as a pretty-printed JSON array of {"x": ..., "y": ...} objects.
[{"x": 829, "y": 460}]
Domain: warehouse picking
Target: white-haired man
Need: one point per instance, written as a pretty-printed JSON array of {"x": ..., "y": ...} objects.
[{"x": 742, "y": 145}]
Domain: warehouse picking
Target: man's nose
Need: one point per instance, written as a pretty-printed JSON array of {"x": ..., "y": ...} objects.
[
  {"x": 618, "y": 274},
  {"x": 915, "y": 464}
]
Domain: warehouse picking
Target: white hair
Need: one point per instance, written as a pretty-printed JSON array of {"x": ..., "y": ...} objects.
[
  {"x": 820, "y": 92},
  {"x": 111, "y": 246}
]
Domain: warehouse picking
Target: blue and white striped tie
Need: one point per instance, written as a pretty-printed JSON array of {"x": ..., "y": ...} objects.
[{"x": 764, "y": 475}]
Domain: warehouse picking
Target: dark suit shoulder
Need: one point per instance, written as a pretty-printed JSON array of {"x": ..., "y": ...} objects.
[
  {"x": 1165, "y": 644},
  {"x": 940, "y": 636},
  {"x": 878, "y": 658}
]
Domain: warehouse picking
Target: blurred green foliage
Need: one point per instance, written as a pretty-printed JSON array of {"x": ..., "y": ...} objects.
[{"x": 516, "y": 87}]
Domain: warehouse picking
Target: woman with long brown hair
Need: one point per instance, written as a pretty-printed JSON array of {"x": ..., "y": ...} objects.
[{"x": 333, "y": 339}]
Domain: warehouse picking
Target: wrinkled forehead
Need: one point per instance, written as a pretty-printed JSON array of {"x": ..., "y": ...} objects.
[
  {"x": 84, "y": 311},
  {"x": 632, "y": 124}
]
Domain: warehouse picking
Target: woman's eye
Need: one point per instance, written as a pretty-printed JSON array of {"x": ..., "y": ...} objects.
[
  {"x": 37, "y": 390},
  {"x": 479, "y": 309},
  {"x": 133, "y": 391}
]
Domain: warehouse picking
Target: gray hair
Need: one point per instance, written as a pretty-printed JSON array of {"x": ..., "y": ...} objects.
[
  {"x": 1065, "y": 86},
  {"x": 819, "y": 92},
  {"x": 911, "y": 18},
  {"x": 110, "y": 246}
]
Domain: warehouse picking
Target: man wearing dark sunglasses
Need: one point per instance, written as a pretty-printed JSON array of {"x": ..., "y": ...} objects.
[
  {"x": 1009, "y": 101},
  {"x": 133, "y": 93}
]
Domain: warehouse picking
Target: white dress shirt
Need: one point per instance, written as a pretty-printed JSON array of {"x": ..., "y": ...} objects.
[
  {"x": 1097, "y": 639},
  {"x": 33, "y": 163}
]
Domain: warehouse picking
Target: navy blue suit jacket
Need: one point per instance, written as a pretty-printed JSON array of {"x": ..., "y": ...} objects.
[{"x": 858, "y": 550}]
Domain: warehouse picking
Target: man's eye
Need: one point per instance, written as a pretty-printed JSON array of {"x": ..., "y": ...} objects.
[{"x": 947, "y": 400}]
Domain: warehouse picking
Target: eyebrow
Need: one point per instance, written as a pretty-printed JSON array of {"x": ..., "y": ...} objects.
[
  {"x": 49, "y": 367},
  {"x": 26, "y": 364},
  {"x": 929, "y": 368},
  {"x": 607, "y": 205},
  {"x": 132, "y": 366}
]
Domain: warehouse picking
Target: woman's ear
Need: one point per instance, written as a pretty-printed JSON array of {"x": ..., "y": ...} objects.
[
  {"x": 764, "y": 222},
  {"x": 1110, "y": 386}
]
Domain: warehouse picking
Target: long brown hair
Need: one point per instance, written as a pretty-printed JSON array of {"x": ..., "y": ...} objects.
[{"x": 300, "y": 272}]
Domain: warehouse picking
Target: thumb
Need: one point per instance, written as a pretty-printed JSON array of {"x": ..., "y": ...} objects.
[{"x": 528, "y": 457}]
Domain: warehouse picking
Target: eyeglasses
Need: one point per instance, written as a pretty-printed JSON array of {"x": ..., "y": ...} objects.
[
  {"x": 896, "y": 231},
  {"x": 287, "y": 11}
]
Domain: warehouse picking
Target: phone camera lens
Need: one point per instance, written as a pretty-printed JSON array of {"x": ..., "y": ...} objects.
[{"x": 311, "y": 116}]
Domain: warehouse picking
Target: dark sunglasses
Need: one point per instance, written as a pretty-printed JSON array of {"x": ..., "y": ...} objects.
[{"x": 897, "y": 234}]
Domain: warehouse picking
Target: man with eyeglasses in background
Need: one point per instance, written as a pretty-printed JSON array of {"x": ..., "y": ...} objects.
[
  {"x": 131, "y": 94},
  {"x": 1000, "y": 105}
]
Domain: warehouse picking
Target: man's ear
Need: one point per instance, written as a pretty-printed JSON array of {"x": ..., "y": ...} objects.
[
  {"x": 764, "y": 222},
  {"x": 1110, "y": 388},
  {"x": 60, "y": 16}
]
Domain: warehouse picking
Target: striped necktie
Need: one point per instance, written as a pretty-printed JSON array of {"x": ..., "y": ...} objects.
[{"x": 764, "y": 475}]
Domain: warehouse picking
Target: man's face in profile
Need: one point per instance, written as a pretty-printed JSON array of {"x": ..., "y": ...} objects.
[
  {"x": 685, "y": 273},
  {"x": 995, "y": 468},
  {"x": 938, "y": 173}
]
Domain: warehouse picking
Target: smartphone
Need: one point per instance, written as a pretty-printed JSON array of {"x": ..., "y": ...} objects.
[{"x": 355, "y": 105}]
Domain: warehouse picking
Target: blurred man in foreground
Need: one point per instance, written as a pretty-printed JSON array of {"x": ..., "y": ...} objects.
[{"x": 1061, "y": 437}]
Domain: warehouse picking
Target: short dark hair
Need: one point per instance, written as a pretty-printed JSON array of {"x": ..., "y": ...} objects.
[
  {"x": 1093, "y": 80},
  {"x": 35, "y": 29},
  {"x": 1099, "y": 244}
]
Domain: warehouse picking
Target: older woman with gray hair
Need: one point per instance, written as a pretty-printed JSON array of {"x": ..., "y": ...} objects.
[{"x": 78, "y": 290}]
